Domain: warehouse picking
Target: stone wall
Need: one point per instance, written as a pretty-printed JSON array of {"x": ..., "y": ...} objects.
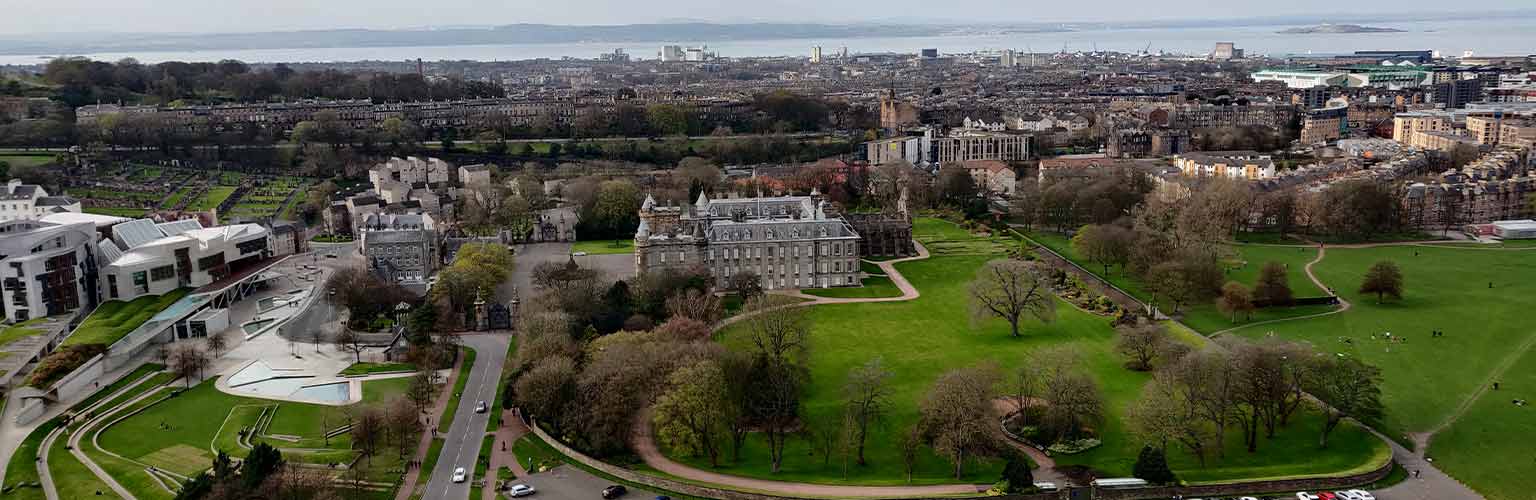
[{"x": 1250, "y": 487}]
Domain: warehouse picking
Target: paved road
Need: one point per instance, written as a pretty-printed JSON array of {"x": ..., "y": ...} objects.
[
  {"x": 462, "y": 444},
  {"x": 570, "y": 483}
]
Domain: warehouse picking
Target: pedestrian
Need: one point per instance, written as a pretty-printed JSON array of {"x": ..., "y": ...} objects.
[
  {"x": 1495, "y": 386},
  {"x": 1415, "y": 473}
]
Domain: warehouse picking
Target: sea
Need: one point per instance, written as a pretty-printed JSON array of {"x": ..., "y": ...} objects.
[{"x": 1485, "y": 37}]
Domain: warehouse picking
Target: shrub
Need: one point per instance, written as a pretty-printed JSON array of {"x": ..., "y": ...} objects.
[
  {"x": 1074, "y": 446},
  {"x": 61, "y": 362}
]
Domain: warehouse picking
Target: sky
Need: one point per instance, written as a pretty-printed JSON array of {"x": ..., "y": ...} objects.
[{"x": 157, "y": 16}]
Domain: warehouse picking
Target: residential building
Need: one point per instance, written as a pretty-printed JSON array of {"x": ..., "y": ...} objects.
[
  {"x": 1246, "y": 165},
  {"x": 1457, "y": 93},
  {"x": 475, "y": 175},
  {"x": 400, "y": 248},
  {"x": 20, "y": 201},
  {"x": 789, "y": 242},
  {"x": 1320, "y": 126},
  {"x": 143, "y": 258},
  {"x": 967, "y": 145},
  {"x": 992, "y": 176},
  {"x": 46, "y": 268}
]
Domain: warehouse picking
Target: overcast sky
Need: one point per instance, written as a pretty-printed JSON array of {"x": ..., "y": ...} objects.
[{"x": 78, "y": 16}]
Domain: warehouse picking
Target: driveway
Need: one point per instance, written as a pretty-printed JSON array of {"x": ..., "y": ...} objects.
[{"x": 462, "y": 445}]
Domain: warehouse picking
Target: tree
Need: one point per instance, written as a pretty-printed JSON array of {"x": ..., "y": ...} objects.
[
  {"x": 1273, "y": 287},
  {"x": 349, "y": 341},
  {"x": 1235, "y": 299},
  {"x": 1075, "y": 403},
  {"x": 778, "y": 330},
  {"x": 422, "y": 388},
  {"x": 1142, "y": 342},
  {"x": 1107, "y": 245},
  {"x": 745, "y": 284},
  {"x": 545, "y": 391},
  {"x": 692, "y": 416},
  {"x": 401, "y": 420},
  {"x": 1152, "y": 465},
  {"x": 1383, "y": 279},
  {"x": 1185, "y": 280},
  {"x": 911, "y": 444},
  {"x": 1348, "y": 388},
  {"x": 262, "y": 462},
  {"x": 187, "y": 361},
  {"x": 958, "y": 415},
  {"x": 1009, "y": 289},
  {"x": 866, "y": 398},
  {"x": 217, "y": 343},
  {"x": 368, "y": 430},
  {"x": 1168, "y": 411},
  {"x": 1016, "y": 472}
]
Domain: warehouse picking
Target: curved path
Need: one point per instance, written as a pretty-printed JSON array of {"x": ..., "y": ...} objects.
[
  {"x": 644, "y": 444},
  {"x": 1344, "y": 305},
  {"x": 46, "y": 477},
  {"x": 1046, "y": 466}
]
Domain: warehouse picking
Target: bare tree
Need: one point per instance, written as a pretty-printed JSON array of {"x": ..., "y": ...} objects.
[
  {"x": 1142, "y": 342},
  {"x": 188, "y": 360},
  {"x": 217, "y": 343},
  {"x": 958, "y": 414},
  {"x": 911, "y": 444},
  {"x": 779, "y": 331},
  {"x": 349, "y": 341},
  {"x": 402, "y": 423},
  {"x": 1166, "y": 413},
  {"x": 1235, "y": 300},
  {"x": 367, "y": 430},
  {"x": 866, "y": 397},
  {"x": 316, "y": 337},
  {"x": 1024, "y": 386},
  {"x": 423, "y": 387},
  {"x": 1010, "y": 289}
]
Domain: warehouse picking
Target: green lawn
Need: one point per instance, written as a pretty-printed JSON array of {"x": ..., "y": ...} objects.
[
  {"x": 1489, "y": 447},
  {"x": 1243, "y": 268},
  {"x": 1426, "y": 379},
  {"x": 536, "y": 455},
  {"x": 70, "y": 477},
  {"x": 465, "y": 363},
  {"x": 132, "y": 213},
  {"x": 874, "y": 287},
  {"x": 113, "y": 320},
  {"x": 19, "y": 331},
  {"x": 211, "y": 198},
  {"x": 27, "y": 160},
  {"x": 604, "y": 247},
  {"x": 919, "y": 340},
  {"x": 366, "y": 368}
]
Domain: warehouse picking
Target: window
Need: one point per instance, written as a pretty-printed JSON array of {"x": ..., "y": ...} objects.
[
  {"x": 837, "y": 250},
  {"x": 210, "y": 262},
  {"x": 162, "y": 273},
  {"x": 837, "y": 267}
]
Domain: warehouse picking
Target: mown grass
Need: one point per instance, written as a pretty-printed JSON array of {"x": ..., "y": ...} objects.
[
  {"x": 114, "y": 320},
  {"x": 919, "y": 340},
  {"x": 604, "y": 247},
  {"x": 874, "y": 287}
]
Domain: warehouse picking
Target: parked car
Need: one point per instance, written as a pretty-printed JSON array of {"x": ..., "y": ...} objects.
[
  {"x": 480, "y": 407},
  {"x": 459, "y": 475},
  {"x": 1302, "y": 495},
  {"x": 579, "y": 254},
  {"x": 1361, "y": 495},
  {"x": 1046, "y": 486},
  {"x": 521, "y": 490},
  {"x": 614, "y": 491}
]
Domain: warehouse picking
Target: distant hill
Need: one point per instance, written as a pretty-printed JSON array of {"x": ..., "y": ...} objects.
[{"x": 1337, "y": 28}]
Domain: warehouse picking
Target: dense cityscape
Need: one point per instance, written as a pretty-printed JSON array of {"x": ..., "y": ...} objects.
[{"x": 1021, "y": 273}]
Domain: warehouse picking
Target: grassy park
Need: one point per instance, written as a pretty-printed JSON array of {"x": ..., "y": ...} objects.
[
  {"x": 1242, "y": 267},
  {"x": 1469, "y": 294},
  {"x": 919, "y": 340},
  {"x": 604, "y": 247},
  {"x": 874, "y": 287}
]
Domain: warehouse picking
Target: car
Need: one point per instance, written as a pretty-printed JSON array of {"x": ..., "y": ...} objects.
[
  {"x": 1302, "y": 495},
  {"x": 330, "y": 256},
  {"x": 480, "y": 407},
  {"x": 1328, "y": 495},
  {"x": 1247, "y": 498},
  {"x": 1361, "y": 495},
  {"x": 663, "y": 497},
  {"x": 459, "y": 475},
  {"x": 614, "y": 491},
  {"x": 579, "y": 254},
  {"x": 1046, "y": 486},
  {"x": 521, "y": 490}
]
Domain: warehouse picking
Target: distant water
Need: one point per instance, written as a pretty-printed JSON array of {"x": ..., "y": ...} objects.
[{"x": 1508, "y": 36}]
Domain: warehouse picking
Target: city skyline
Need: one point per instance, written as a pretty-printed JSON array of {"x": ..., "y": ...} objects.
[{"x": 77, "y": 17}]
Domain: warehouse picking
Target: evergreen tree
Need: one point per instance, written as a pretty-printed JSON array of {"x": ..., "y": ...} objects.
[
  {"x": 1152, "y": 465},
  {"x": 1016, "y": 472}
]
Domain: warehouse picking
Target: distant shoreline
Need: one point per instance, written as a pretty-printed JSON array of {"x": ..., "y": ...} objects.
[{"x": 1338, "y": 29}]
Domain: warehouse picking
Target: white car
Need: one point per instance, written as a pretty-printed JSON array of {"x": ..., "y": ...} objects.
[
  {"x": 1356, "y": 495},
  {"x": 521, "y": 490},
  {"x": 579, "y": 254},
  {"x": 459, "y": 476},
  {"x": 480, "y": 407},
  {"x": 1302, "y": 495}
]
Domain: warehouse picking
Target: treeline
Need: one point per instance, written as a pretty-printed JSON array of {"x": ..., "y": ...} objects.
[{"x": 82, "y": 81}]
